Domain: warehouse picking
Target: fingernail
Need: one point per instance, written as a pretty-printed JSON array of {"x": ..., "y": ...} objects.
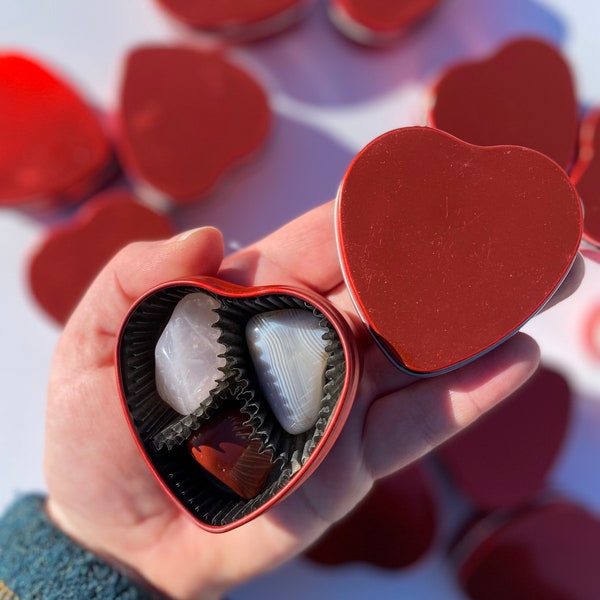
[{"x": 184, "y": 235}]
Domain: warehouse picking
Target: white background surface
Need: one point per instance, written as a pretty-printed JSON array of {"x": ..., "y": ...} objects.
[{"x": 330, "y": 98}]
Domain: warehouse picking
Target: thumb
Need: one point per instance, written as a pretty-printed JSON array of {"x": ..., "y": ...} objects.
[{"x": 133, "y": 270}]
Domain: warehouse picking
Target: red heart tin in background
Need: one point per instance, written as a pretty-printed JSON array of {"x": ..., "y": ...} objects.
[
  {"x": 586, "y": 176},
  {"x": 185, "y": 117},
  {"x": 52, "y": 146},
  {"x": 161, "y": 433},
  {"x": 237, "y": 18},
  {"x": 548, "y": 551},
  {"x": 392, "y": 528},
  {"x": 504, "y": 459},
  {"x": 380, "y": 22},
  {"x": 522, "y": 95},
  {"x": 449, "y": 248},
  {"x": 68, "y": 256}
]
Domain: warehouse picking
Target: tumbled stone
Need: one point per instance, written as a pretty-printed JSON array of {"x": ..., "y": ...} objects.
[
  {"x": 222, "y": 447},
  {"x": 289, "y": 357},
  {"x": 188, "y": 355}
]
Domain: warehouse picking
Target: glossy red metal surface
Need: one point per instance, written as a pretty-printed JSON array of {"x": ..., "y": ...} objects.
[
  {"x": 70, "y": 255},
  {"x": 449, "y": 248},
  {"x": 504, "y": 459},
  {"x": 52, "y": 146},
  {"x": 384, "y": 16},
  {"x": 186, "y": 116},
  {"x": 522, "y": 95},
  {"x": 586, "y": 176},
  {"x": 236, "y": 17},
  {"x": 549, "y": 551},
  {"x": 336, "y": 419},
  {"x": 392, "y": 528}
]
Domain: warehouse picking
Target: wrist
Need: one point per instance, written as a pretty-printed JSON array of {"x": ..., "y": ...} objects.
[
  {"x": 39, "y": 560},
  {"x": 134, "y": 565}
]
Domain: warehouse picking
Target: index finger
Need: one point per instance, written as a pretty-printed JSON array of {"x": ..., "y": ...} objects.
[{"x": 302, "y": 252}]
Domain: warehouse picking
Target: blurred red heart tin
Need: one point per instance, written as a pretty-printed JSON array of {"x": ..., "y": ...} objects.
[
  {"x": 379, "y": 22},
  {"x": 185, "y": 116},
  {"x": 392, "y": 528},
  {"x": 449, "y": 248},
  {"x": 586, "y": 176},
  {"x": 548, "y": 551},
  {"x": 52, "y": 146},
  {"x": 164, "y": 436},
  {"x": 592, "y": 332},
  {"x": 68, "y": 256},
  {"x": 504, "y": 459},
  {"x": 237, "y": 18},
  {"x": 523, "y": 95}
]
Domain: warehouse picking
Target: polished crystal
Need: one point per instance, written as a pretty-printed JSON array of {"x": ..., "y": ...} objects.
[
  {"x": 289, "y": 356},
  {"x": 188, "y": 354}
]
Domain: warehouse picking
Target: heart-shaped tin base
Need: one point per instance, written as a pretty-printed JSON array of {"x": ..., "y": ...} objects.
[
  {"x": 449, "y": 248},
  {"x": 163, "y": 434}
]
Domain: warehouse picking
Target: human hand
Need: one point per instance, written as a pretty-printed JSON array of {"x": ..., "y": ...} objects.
[{"x": 104, "y": 496}]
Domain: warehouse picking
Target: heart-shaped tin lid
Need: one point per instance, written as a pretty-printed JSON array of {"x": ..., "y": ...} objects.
[{"x": 449, "y": 248}]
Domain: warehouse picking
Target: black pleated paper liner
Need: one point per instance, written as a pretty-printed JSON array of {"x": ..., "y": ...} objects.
[{"x": 162, "y": 431}]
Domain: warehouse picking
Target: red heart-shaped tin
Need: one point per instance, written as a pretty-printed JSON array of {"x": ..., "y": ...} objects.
[
  {"x": 237, "y": 18},
  {"x": 380, "y": 22},
  {"x": 185, "y": 116},
  {"x": 504, "y": 459},
  {"x": 163, "y": 435},
  {"x": 392, "y": 528},
  {"x": 449, "y": 248},
  {"x": 522, "y": 95},
  {"x": 68, "y": 256},
  {"x": 52, "y": 146},
  {"x": 548, "y": 551},
  {"x": 586, "y": 176}
]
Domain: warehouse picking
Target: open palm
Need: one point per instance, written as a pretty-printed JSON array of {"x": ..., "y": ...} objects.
[{"x": 104, "y": 496}]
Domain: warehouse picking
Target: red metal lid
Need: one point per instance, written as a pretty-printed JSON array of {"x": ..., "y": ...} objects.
[{"x": 449, "y": 248}]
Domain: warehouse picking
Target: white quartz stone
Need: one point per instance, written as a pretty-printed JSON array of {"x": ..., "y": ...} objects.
[
  {"x": 187, "y": 354},
  {"x": 289, "y": 357}
]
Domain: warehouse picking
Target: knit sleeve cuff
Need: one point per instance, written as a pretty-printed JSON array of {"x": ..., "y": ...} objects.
[{"x": 38, "y": 561}]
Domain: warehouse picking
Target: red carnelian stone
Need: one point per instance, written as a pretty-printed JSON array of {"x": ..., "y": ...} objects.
[{"x": 223, "y": 447}]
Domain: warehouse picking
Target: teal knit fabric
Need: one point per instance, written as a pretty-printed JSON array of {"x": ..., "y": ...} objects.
[{"x": 39, "y": 562}]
